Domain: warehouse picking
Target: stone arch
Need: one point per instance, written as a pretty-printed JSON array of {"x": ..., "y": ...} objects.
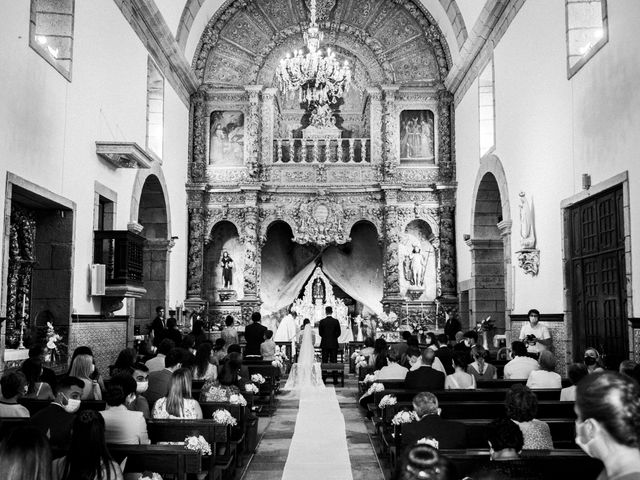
[
  {"x": 150, "y": 214},
  {"x": 224, "y": 236},
  {"x": 490, "y": 244},
  {"x": 350, "y": 226}
]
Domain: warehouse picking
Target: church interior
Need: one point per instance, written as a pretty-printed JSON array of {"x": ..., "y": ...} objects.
[{"x": 406, "y": 163}]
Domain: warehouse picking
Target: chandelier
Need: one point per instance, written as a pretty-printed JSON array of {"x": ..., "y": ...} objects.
[{"x": 318, "y": 78}]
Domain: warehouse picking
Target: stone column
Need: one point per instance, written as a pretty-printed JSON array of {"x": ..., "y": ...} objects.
[
  {"x": 445, "y": 149},
  {"x": 391, "y": 259},
  {"x": 268, "y": 117},
  {"x": 252, "y": 129},
  {"x": 199, "y": 127},
  {"x": 447, "y": 253},
  {"x": 252, "y": 261},
  {"x": 375, "y": 124},
  {"x": 197, "y": 221},
  {"x": 390, "y": 132},
  {"x": 505, "y": 233}
]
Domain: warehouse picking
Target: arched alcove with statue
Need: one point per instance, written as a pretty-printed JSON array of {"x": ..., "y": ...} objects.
[{"x": 317, "y": 177}]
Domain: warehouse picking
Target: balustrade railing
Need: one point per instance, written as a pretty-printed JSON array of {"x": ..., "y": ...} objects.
[{"x": 325, "y": 150}]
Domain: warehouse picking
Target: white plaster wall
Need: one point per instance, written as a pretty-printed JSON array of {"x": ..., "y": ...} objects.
[
  {"x": 48, "y": 126},
  {"x": 470, "y": 10},
  {"x": 550, "y": 130},
  {"x": 207, "y": 10},
  {"x": 171, "y": 11}
]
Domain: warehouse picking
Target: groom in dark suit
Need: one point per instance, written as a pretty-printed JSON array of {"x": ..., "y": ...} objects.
[{"x": 329, "y": 329}]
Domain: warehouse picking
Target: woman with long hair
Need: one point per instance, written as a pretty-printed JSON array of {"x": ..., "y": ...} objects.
[
  {"x": 203, "y": 369},
  {"x": 82, "y": 367},
  {"x": 84, "y": 350},
  {"x": 227, "y": 383},
  {"x": 124, "y": 363},
  {"x": 88, "y": 457},
  {"x": 178, "y": 403},
  {"x": 32, "y": 370},
  {"x": 25, "y": 455},
  {"x": 460, "y": 379},
  {"x": 593, "y": 360}
]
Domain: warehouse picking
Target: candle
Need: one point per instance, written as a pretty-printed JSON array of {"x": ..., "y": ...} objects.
[{"x": 24, "y": 305}]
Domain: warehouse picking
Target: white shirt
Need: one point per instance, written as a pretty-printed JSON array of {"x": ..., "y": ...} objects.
[
  {"x": 540, "y": 331},
  {"x": 568, "y": 394},
  {"x": 156, "y": 363},
  {"x": 544, "y": 379},
  {"x": 437, "y": 365},
  {"x": 393, "y": 371},
  {"x": 520, "y": 368}
]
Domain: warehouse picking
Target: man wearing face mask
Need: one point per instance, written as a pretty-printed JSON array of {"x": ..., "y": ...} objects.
[
  {"x": 592, "y": 360},
  {"x": 534, "y": 334},
  {"x": 139, "y": 403},
  {"x": 608, "y": 423},
  {"x": 56, "y": 419}
]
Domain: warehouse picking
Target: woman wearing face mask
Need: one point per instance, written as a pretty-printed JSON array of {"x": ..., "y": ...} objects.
[
  {"x": 83, "y": 368},
  {"x": 608, "y": 423},
  {"x": 123, "y": 426},
  {"x": 592, "y": 360}
]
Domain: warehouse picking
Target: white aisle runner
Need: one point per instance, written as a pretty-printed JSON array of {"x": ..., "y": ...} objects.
[{"x": 319, "y": 446}]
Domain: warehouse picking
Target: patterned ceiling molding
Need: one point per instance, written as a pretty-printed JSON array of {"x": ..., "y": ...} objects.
[{"x": 405, "y": 45}]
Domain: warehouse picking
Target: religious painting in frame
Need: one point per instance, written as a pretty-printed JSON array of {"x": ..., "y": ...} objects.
[
  {"x": 226, "y": 138},
  {"x": 417, "y": 137}
]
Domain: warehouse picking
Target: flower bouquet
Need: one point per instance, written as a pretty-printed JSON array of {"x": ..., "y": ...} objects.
[
  {"x": 237, "y": 400},
  {"x": 361, "y": 362},
  {"x": 376, "y": 387},
  {"x": 388, "y": 325},
  {"x": 429, "y": 441},
  {"x": 355, "y": 355},
  {"x": 257, "y": 378},
  {"x": 251, "y": 388},
  {"x": 404, "y": 416},
  {"x": 150, "y": 476},
  {"x": 223, "y": 417},
  {"x": 486, "y": 325},
  {"x": 387, "y": 401},
  {"x": 197, "y": 444}
]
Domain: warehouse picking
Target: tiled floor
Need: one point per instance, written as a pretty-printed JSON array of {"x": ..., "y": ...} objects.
[{"x": 276, "y": 433}]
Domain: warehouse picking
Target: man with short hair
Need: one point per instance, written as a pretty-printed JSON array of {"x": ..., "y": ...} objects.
[
  {"x": 535, "y": 335},
  {"x": 521, "y": 365},
  {"x": 425, "y": 377},
  {"x": 449, "y": 434},
  {"x": 254, "y": 335},
  {"x": 141, "y": 376},
  {"x": 13, "y": 385},
  {"x": 445, "y": 354},
  {"x": 158, "y": 326},
  {"x": 56, "y": 419},
  {"x": 157, "y": 363},
  {"x": 329, "y": 330},
  {"x": 159, "y": 380},
  {"x": 469, "y": 339}
]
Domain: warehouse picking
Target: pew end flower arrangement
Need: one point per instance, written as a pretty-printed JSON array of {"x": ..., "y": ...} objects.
[
  {"x": 223, "y": 417},
  {"x": 150, "y": 476},
  {"x": 257, "y": 378},
  {"x": 237, "y": 399},
  {"x": 198, "y": 444},
  {"x": 251, "y": 388},
  {"x": 387, "y": 401},
  {"x": 405, "y": 416}
]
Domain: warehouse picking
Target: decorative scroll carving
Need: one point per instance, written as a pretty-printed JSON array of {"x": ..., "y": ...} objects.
[
  {"x": 319, "y": 221},
  {"x": 529, "y": 261},
  {"x": 447, "y": 247},
  {"x": 445, "y": 160},
  {"x": 390, "y": 134},
  {"x": 195, "y": 258},
  {"x": 376, "y": 128},
  {"x": 249, "y": 238},
  {"x": 253, "y": 132},
  {"x": 268, "y": 116},
  {"x": 391, "y": 261},
  {"x": 198, "y": 127}
]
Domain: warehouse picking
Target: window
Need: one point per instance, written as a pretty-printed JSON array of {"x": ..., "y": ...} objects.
[
  {"x": 51, "y": 33},
  {"x": 104, "y": 208},
  {"x": 586, "y": 31},
  {"x": 486, "y": 109},
  {"x": 155, "y": 108}
]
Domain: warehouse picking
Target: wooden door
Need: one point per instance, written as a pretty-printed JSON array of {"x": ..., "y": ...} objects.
[{"x": 597, "y": 276}]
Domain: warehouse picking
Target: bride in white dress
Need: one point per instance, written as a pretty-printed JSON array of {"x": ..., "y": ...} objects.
[{"x": 306, "y": 373}]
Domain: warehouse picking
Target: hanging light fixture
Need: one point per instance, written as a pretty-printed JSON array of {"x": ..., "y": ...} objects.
[{"x": 318, "y": 78}]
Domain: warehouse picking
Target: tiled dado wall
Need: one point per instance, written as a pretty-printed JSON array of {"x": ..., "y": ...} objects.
[
  {"x": 105, "y": 337},
  {"x": 559, "y": 336}
]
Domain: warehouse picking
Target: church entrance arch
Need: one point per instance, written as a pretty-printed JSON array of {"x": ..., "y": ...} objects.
[{"x": 490, "y": 246}]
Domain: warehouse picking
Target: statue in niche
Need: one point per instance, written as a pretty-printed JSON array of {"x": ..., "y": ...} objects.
[
  {"x": 527, "y": 233},
  {"x": 415, "y": 267},
  {"x": 318, "y": 291},
  {"x": 226, "y": 262}
]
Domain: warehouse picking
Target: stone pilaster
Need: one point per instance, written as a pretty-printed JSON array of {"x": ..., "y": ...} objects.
[
  {"x": 268, "y": 118},
  {"x": 252, "y": 129},
  {"x": 445, "y": 136},
  {"x": 252, "y": 255},
  {"x": 197, "y": 221},
  {"x": 391, "y": 259},
  {"x": 375, "y": 124},
  {"x": 447, "y": 252},
  {"x": 199, "y": 127},
  {"x": 390, "y": 133}
]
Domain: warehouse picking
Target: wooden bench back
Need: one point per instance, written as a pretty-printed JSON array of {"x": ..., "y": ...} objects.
[
  {"x": 502, "y": 383},
  {"x": 177, "y": 430},
  {"x": 480, "y": 395},
  {"x": 9, "y": 424},
  {"x": 162, "y": 459},
  {"x": 34, "y": 405}
]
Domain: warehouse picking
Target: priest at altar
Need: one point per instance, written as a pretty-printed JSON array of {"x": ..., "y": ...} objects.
[{"x": 288, "y": 328}]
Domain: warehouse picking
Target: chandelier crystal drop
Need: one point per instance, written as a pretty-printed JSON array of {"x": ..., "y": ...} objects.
[{"x": 318, "y": 78}]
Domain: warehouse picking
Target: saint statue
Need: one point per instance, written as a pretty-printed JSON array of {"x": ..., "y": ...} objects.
[
  {"x": 527, "y": 233},
  {"x": 317, "y": 291},
  {"x": 415, "y": 266},
  {"x": 227, "y": 269}
]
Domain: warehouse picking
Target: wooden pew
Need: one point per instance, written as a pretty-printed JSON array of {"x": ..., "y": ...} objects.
[
  {"x": 331, "y": 369},
  {"x": 506, "y": 384},
  {"x": 240, "y": 433},
  {"x": 34, "y": 405},
  {"x": 9, "y": 424},
  {"x": 268, "y": 389},
  {"x": 162, "y": 459},
  {"x": 223, "y": 452},
  {"x": 404, "y": 395}
]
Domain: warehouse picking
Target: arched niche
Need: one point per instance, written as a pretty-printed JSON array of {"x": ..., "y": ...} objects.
[
  {"x": 418, "y": 262},
  {"x": 223, "y": 238}
]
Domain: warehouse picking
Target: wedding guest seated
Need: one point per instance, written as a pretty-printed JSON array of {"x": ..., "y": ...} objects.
[
  {"x": 83, "y": 368},
  {"x": 229, "y": 333},
  {"x": 95, "y": 373},
  {"x": 37, "y": 353},
  {"x": 401, "y": 347},
  {"x": 219, "y": 351},
  {"x": 593, "y": 360},
  {"x": 123, "y": 426},
  {"x": 521, "y": 365},
  {"x": 445, "y": 354},
  {"x": 448, "y": 433},
  {"x": 469, "y": 339},
  {"x": 630, "y": 369},
  {"x": 367, "y": 350},
  {"x": 178, "y": 403},
  {"x": 188, "y": 351},
  {"x": 460, "y": 379},
  {"x": 228, "y": 382},
  {"x": 414, "y": 359},
  {"x": 546, "y": 377},
  {"x": 432, "y": 341},
  {"x": 393, "y": 370},
  {"x": 423, "y": 461},
  {"x": 425, "y": 377},
  {"x": 157, "y": 363},
  {"x": 378, "y": 358},
  {"x": 608, "y": 423},
  {"x": 173, "y": 332},
  {"x": 87, "y": 457},
  {"x": 203, "y": 368},
  {"x": 36, "y": 388},
  {"x": 159, "y": 380},
  {"x": 521, "y": 406},
  {"x": 480, "y": 369},
  {"x": 268, "y": 347},
  {"x": 575, "y": 372},
  {"x": 56, "y": 419},
  {"x": 141, "y": 376},
  {"x": 13, "y": 386},
  {"x": 244, "y": 370},
  {"x": 25, "y": 455},
  {"x": 124, "y": 363}
]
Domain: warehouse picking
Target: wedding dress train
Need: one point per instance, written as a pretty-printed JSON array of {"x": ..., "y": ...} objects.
[{"x": 306, "y": 373}]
